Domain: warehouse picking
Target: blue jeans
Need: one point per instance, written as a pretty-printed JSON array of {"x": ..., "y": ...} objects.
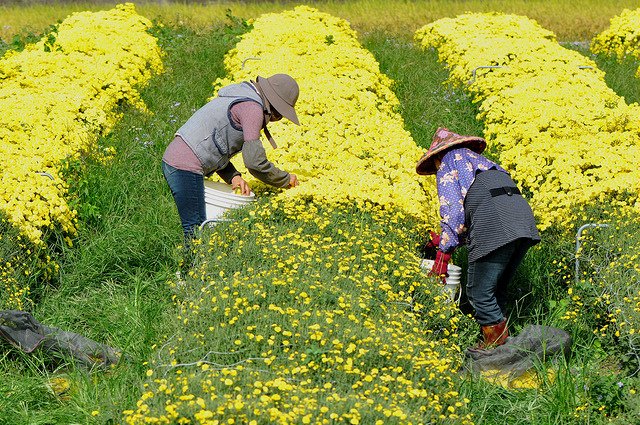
[
  {"x": 487, "y": 280},
  {"x": 187, "y": 189}
]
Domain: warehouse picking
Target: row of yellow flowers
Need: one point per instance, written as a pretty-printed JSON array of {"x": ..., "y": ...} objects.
[
  {"x": 351, "y": 143},
  {"x": 569, "y": 140},
  {"x": 622, "y": 38},
  {"x": 57, "y": 96},
  {"x": 565, "y": 136},
  {"x": 325, "y": 326}
]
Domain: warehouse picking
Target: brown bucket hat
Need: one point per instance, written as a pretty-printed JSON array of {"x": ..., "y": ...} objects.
[
  {"x": 443, "y": 140},
  {"x": 282, "y": 91}
]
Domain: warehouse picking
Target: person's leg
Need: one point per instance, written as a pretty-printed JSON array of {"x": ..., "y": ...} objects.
[
  {"x": 187, "y": 189},
  {"x": 482, "y": 281},
  {"x": 520, "y": 249}
]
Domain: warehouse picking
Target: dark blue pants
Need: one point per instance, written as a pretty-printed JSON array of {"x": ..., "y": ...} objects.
[
  {"x": 187, "y": 189},
  {"x": 488, "y": 278}
]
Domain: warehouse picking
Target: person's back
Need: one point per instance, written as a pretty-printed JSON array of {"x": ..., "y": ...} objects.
[{"x": 225, "y": 126}]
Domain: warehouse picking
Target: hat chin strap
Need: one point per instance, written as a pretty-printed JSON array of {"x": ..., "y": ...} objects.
[
  {"x": 270, "y": 137},
  {"x": 267, "y": 114}
]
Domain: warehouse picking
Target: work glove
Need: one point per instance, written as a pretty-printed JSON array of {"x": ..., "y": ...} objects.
[
  {"x": 428, "y": 250},
  {"x": 440, "y": 266},
  {"x": 434, "y": 240}
]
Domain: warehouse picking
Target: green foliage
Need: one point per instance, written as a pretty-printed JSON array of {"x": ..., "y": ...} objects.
[
  {"x": 81, "y": 198},
  {"x": 18, "y": 42},
  {"x": 21, "y": 267},
  {"x": 607, "y": 286},
  {"x": 605, "y": 393},
  {"x": 167, "y": 36},
  {"x": 235, "y": 26},
  {"x": 50, "y": 38},
  {"x": 21, "y": 40}
]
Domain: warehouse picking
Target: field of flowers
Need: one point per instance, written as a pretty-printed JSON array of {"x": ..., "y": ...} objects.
[
  {"x": 566, "y": 137},
  {"x": 309, "y": 306},
  {"x": 314, "y": 356},
  {"x": 293, "y": 335},
  {"x": 59, "y": 95}
]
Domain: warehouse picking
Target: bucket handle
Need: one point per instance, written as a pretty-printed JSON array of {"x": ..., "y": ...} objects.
[{"x": 213, "y": 221}]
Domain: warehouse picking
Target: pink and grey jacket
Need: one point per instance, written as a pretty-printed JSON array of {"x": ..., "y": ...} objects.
[{"x": 214, "y": 138}]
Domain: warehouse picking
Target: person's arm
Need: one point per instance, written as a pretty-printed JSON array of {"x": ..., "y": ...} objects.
[
  {"x": 451, "y": 207},
  {"x": 255, "y": 159},
  {"x": 228, "y": 173},
  {"x": 250, "y": 117}
]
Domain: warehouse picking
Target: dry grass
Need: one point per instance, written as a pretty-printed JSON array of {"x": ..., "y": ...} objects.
[{"x": 570, "y": 20}]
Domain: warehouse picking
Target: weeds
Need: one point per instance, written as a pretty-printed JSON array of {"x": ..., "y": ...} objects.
[{"x": 21, "y": 40}]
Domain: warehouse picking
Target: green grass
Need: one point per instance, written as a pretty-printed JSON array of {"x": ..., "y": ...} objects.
[{"x": 426, "y": 102}]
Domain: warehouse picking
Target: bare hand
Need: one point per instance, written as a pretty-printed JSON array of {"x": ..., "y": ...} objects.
[
  {"x": 238, "y": 183},
  {"x": 293, "y": 180}
]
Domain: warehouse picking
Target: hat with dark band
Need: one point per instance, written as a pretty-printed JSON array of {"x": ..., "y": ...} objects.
[{"x": 282, "y": 91}]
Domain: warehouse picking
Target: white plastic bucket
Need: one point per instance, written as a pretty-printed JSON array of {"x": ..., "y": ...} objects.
[
  {"x": 219, "y": 198},
  {"x": 452, "y": 269},
  {"x": 452, "y": 286},
  {"x": 453, "y": 291}
]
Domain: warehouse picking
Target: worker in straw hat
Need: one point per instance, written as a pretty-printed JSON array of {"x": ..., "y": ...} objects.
[
  {"x": 482, "y": 206},
  {"x": 228, "y": 124}
]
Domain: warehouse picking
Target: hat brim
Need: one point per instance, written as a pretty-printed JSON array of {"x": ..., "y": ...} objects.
[
  {"x": 427, "y": 165},
  {"x": 277, "y": 102}
]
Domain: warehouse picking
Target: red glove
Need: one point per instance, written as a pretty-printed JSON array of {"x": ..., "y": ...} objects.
[
  {"x": 440, "y": 265},
  {"x": 434, "y": 242}
]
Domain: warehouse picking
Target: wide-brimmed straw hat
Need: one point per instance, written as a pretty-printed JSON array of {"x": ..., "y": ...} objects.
[
  {"x": 282, "y": 91},
  {"x": 443, "y": 140}
]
